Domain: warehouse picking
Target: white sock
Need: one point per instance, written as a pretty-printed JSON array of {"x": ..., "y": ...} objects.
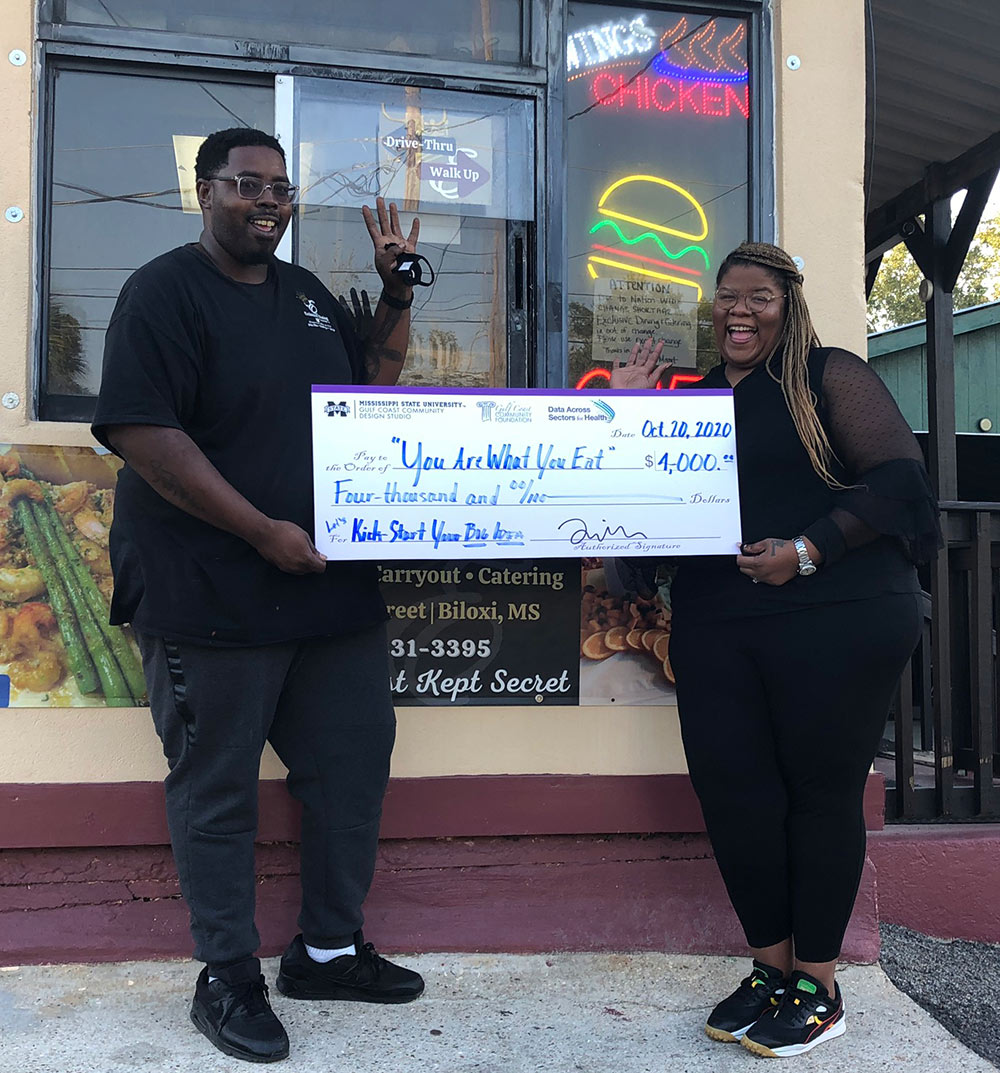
[{"x": 317, "y": 953}]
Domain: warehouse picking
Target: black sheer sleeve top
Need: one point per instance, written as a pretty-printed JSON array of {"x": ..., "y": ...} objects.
[{"x": 871, "y": 533}]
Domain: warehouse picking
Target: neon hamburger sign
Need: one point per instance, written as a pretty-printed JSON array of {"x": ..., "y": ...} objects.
[{"x": 644, "y": 212}]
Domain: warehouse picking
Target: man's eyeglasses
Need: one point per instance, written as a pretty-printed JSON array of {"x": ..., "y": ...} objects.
[
  {"x": 249, "y": 187},
  {"x": 756, "y": 303}
]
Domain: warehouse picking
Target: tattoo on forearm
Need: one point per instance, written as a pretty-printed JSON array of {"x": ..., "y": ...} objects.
[
  {"x": 375, "y": 349},
  {"x": 169, "y": 482},
  {"x": 382, "y": 331},
  {"x": 375, "y": 356},
  {"x": 372, "y": 364}
]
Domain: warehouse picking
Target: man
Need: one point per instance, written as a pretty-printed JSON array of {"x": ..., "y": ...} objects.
[{"x": 247, "y": 633}]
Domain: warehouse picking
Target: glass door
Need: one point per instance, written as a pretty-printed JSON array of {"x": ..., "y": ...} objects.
[{"x": 461, "y": 161}]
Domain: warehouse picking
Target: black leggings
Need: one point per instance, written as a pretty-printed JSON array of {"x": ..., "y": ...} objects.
[{"x": 781, "y": 717}]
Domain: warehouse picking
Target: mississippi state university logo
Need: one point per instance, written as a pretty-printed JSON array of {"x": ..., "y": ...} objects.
[
  {"x": 313, "y": 315},
  {"x": 337, "y": 409}
]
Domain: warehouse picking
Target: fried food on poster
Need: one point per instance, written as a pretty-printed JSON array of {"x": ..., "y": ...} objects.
[{"x": 627, "y": 623}]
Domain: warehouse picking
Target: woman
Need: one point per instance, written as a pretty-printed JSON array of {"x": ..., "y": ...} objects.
[{"x": 786, "y": 659}]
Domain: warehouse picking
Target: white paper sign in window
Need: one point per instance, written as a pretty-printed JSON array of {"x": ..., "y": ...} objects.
[{"x": 428, "y": 150}]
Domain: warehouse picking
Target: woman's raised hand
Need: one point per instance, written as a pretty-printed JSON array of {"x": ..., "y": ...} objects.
[{"x": 642, "y": 369}]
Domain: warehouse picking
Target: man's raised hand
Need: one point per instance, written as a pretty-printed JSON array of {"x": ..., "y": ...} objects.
[{"x": 389, "y": 242}]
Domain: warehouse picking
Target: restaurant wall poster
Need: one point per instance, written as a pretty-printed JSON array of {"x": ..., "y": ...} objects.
[
  {"x": 551, "y": 631},
  {"x": 625, "y": 633},
  {"x": 464, "y": 632},
  {"x": 493, "y": 633}
]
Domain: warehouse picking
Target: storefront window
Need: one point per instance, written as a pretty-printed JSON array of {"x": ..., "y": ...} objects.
[
  {"x": 461, "y": 161},
  {"x": 657, "y": 156},
  {"x": 121, "y": 192},
  {"x": 658, "y": 190},
  {"x": 481, "y": 30}
]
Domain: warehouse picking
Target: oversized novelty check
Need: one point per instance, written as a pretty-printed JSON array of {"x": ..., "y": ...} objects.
[{"x": 425, "y": 473}]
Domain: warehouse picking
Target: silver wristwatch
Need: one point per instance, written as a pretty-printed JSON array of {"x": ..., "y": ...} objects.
[{"x": 806, "y": 565}]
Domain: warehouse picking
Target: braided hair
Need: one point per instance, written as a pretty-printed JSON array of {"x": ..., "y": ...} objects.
[{"x": 797, "y": 338}]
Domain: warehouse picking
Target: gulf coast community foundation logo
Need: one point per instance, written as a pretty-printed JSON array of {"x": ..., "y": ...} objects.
[{"x": 504, "y": 412}]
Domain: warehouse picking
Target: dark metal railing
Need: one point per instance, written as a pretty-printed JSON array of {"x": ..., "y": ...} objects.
[{"x": 944, "y": 725}]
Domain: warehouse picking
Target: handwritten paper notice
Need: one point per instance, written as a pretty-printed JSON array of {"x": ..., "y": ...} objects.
[
  {"x": 627, "y": 310},
  {"x": 444, "y": 473}
]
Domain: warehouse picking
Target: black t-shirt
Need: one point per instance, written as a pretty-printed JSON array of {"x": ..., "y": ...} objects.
[
  {"x": 870, "y": 532},
  {"x": 230, "y": 364}
]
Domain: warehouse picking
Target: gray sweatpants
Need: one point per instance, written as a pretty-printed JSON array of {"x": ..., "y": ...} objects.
[{"x": 325, "y": 706}]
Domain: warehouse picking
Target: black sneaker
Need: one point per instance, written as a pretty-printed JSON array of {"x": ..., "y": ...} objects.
[
  {"x": 757, "y": 994},
  {"x": 805, "y": 1017},
  {"x": 361, "y": 977},
  {"x": 238, "y": 1019}
]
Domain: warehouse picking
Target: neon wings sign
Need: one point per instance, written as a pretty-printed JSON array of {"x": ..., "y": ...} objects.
[{"x": 695, "y": 71}]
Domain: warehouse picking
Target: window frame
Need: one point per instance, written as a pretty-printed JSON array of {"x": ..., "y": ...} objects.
[
  {"x": 48, "y": 406},
  {"x": 761, "y": 130},
  {"x": 292, "y": 55},
  {"x": 523, "y": 237},
  {"x": 761, "y": 143},
  {"x": 541, "y": 78}
]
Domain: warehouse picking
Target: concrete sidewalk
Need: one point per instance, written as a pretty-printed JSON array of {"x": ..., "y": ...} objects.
[{"x": 561, "y": 1013}]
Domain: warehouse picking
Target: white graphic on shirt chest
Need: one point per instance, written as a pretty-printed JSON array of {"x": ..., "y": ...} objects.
[{"x": 313, "y": 315}]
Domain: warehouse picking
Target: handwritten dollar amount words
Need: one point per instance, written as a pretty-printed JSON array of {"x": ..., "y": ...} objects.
[{"x": 682, "y": 462}]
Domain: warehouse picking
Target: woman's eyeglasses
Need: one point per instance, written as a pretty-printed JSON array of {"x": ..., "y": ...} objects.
[
  {"x": 249, "y": 187},
  {"x": 756, "y": 303}
]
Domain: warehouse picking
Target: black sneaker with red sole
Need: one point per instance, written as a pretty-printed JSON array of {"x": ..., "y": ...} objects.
[{"x": 806, "y": 1016}]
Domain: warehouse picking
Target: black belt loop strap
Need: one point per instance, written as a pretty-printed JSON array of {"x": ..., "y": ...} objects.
[{"x": 176, "y": 671}]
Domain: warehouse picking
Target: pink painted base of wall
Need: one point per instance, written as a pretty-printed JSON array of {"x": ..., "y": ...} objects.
[
  {"x": 529, "y": 894},
  {"x": 940, "y": 880},
  {"x": 608, "y": 893},
  {"x": 533, "y": 863}
]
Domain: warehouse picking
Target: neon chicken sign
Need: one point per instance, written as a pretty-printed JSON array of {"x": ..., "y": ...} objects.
[{"x": 700, "y": 71}]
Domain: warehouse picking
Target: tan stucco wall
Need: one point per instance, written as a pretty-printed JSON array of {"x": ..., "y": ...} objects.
[
  {"x": 16, "y": 120},
  {"x": 820, "y": 150},
  {"x": 109, "y": 745},
  {"x": 820, "y": 134}
]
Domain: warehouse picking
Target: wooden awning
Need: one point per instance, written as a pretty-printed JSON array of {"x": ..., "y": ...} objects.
[{"x": 933, "y": 106}]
